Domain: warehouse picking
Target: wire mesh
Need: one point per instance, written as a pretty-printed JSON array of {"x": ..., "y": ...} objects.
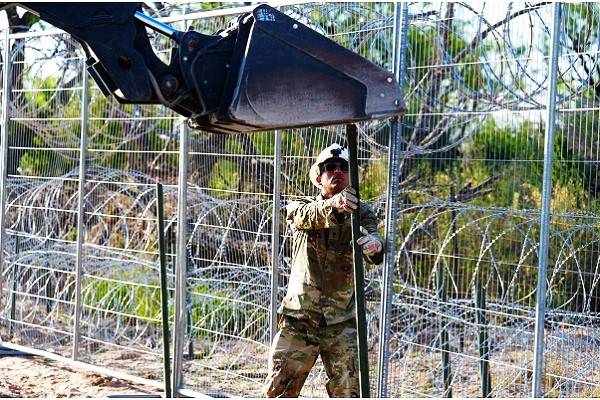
[
  {"x": 365, "y": 28},
  {"x": 41, "y": 194},
  {"x": 477, "y": 81},
  {"x": 466, "y": 223},
  {"x": 571, "y": 367},
  {"x": 130, "y": 148},
  {"x": 468, "y": 230}
]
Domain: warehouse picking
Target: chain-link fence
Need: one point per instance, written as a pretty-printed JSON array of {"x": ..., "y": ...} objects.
[{"x": 493, "y": 132}]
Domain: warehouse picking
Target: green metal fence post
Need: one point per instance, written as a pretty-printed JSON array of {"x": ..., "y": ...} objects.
[
  {"x": 164, "y": 295},
  {"x": 484, "y": 364},
  {"x": 455, "y": 262},
  {"x": 13, "y": 294},
  {"x": 359, "y": 272},
  {"x": 444, "y": 341}
]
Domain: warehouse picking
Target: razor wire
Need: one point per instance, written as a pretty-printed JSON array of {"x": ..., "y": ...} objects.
[{"x": 469, "y": 211}]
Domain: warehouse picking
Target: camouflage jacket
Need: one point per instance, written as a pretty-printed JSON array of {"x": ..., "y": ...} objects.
[{"x": 322, "y": 276}]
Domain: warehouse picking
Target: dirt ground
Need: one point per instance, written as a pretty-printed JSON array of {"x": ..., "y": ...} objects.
[{"x": 33, "y": 376}]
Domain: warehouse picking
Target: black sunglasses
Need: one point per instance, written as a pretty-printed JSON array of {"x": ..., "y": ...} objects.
[{"x": 332, "y": 166}]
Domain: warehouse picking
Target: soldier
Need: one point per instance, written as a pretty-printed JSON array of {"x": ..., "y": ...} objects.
[{"x": 317, "y": 315}]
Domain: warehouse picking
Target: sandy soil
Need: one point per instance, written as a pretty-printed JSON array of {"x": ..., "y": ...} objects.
[{"x": 32, "y": 376}]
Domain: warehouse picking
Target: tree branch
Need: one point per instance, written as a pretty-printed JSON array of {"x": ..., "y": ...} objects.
[{"x": 479, "y": 38}]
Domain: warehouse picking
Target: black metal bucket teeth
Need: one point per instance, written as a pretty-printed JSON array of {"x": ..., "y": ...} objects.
[{"x": 281, "y": 74}]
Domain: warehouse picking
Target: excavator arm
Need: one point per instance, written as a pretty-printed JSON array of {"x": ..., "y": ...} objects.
[{"x": 265, "y": 71}]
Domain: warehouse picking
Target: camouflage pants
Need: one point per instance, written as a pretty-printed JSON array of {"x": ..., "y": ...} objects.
[{"x": 295, "y": 349}]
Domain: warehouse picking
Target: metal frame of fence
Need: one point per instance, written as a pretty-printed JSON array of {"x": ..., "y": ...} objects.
[{"x": 450, "y": 310}]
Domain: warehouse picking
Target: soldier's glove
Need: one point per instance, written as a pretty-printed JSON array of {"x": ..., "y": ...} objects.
[
  {"x": 345, "y": 201},
  {"x": 369, "y": 243}
]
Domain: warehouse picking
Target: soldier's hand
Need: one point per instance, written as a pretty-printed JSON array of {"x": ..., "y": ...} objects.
[
  {"x": 345, "y": 201},
  {"x": 369, "y": 243}
]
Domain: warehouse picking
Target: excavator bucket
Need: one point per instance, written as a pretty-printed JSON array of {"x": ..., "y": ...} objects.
[
  {"x": 282, "y": 74},
  {"x": 265, "y": 71}
]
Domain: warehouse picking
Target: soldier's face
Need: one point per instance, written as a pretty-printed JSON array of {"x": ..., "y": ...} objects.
[{"x": 335, "y": 177}]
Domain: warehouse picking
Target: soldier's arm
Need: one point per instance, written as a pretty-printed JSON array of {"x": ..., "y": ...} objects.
[
  {"x": 369, "y": 221},
  {"x": 310, "y": 214}
]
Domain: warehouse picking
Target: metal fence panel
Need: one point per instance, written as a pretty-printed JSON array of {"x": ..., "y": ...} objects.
[
  {"x": 476, "y": 80},
  {"x": 367, "y": 29},
  {"x": 570, "y": 358},
  {"x": 41, "y": 202}
]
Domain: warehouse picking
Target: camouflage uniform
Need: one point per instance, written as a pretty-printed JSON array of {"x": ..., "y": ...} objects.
[{"x": 317, "y": 315}]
